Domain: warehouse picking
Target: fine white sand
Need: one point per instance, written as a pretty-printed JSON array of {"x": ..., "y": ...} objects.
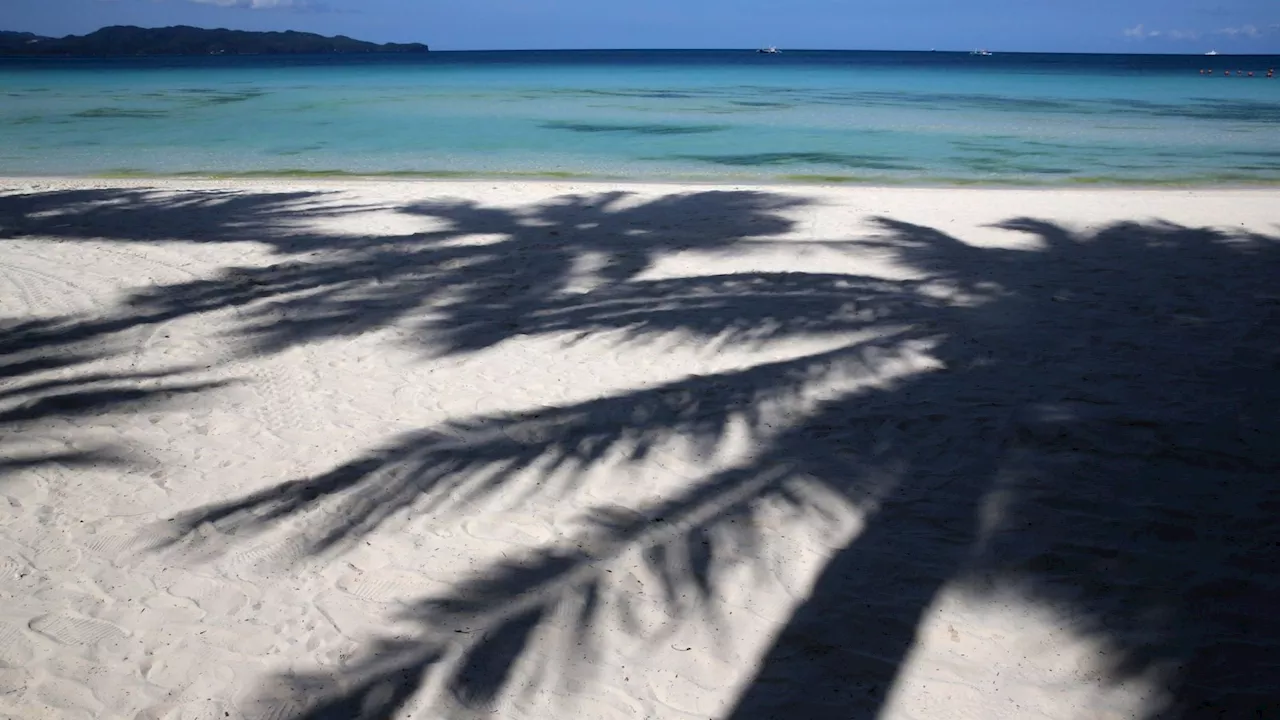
[{"x": 304, "y": 449}]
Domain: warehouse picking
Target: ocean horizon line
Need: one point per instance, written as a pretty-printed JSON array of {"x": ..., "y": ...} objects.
[
  {"x": 960, "y": 51},
  {"x": 994, "y": 50}
]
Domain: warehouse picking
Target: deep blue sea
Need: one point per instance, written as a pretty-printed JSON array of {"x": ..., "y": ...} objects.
[{"x": 874, "y": 117}]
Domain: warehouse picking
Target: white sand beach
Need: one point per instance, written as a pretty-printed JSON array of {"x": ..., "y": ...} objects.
[{"x": 303, "y": 449}]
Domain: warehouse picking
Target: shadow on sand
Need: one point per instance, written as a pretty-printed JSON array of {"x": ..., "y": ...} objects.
[
  {"x": 49, "y": 392},
  {"x": 1094, "y": 433}
]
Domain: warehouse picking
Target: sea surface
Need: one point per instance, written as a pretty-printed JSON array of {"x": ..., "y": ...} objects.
[{"x": 739, "y": 116}]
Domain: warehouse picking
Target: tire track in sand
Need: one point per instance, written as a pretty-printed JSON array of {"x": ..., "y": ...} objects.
[{"x": 31, "y": 286}]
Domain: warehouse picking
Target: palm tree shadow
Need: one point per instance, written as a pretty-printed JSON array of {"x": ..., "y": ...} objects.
[{"x": 1085, "y": 425}]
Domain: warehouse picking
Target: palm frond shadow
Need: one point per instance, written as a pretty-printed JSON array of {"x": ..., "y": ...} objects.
[
  {"x": 146, "y": 214},
  {"x": 453, "y": 285},
  {"x": 44, "y": 386},
  {"x": 47, "y": 376},
  {"x": 448, "y": 468},
  {"x": 1093, "y": 435},
  {"x": 458, "y": 296},
  {"x": 327, "y": 284}
]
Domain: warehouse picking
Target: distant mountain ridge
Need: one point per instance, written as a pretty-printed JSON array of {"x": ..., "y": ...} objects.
[{"x": 130, "y": 41}]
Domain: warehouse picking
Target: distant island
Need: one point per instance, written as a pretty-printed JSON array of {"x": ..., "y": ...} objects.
[{"x": 130, "y": 41}]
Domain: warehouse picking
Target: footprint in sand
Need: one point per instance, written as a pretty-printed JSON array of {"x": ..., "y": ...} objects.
[
  {"x": 603, "y": 703},
  {"x": 22, "y": 491},
  {"x": 385, "y": 585},
  {"x": 463, "y": 701},
  {"x": 15, "y": 649},
  {"x": 351, "y": 617},
  {"x": 205, "y": 685},
  {"x": 511, "y": 529},
  {"x": 12, "y": 570},
  {"x": 112, "y": 547},
  {"x": 272, "y": 708},
  {"x": 13, "y": 680},
  {"x": 286, "y": 393},
  {"x": 194, "y": 710},
  {"x": 52, "y": 556},
  {"x": 64, "y": 699},
  {"x": 77, "y": 630},
  {"x": 68, "y": 597},
  {"x": 263, "y": 559},
  {"x": 217, "y": 598}
]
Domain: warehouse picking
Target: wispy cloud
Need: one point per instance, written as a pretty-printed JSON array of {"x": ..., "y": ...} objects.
[
  {"x": 263, "y": 4},
  {"x": 1248, "y": 31},
  {"x": 1140, "y": 32}
]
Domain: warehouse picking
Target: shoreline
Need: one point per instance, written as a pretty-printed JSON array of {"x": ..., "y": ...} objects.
[{"x": 426, "y": 178}]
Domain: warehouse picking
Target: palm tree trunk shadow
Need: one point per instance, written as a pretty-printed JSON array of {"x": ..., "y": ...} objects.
[{"x": 844, "y": 649}]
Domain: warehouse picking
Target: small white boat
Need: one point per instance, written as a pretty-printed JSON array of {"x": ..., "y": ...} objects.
[
  {"x": 1212, "y": 52},
  {"x": 981, "y": 52},
  {"x": 771, "y": 50}
]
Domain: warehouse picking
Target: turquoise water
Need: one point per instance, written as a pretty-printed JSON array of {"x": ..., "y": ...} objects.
[{"x": 857, "y": 117}]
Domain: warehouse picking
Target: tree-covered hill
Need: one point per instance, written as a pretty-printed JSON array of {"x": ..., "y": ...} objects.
[{"x": 125, "y": 41}]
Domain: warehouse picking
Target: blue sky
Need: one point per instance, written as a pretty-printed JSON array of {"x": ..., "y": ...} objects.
[{"x": 1191, "y": 26}]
